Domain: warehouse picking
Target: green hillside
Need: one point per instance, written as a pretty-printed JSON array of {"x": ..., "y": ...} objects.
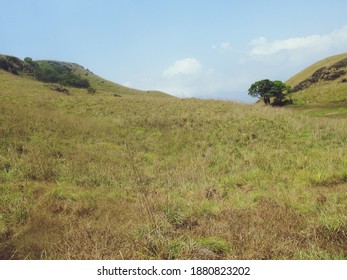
[
  {"x": 94, "y": 176},
  {"x": 324, "y": 82},
  {"x": 67, "y": 74},
  {"x": 103, "y": 85}
]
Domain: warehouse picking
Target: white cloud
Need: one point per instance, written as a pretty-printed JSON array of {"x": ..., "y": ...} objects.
[
  {"x": 262, "y": 47},
  {"x": 340, "y": 36},
  {"x": 316, "y": 43},
  {"x": 224, "y": 46},
  {"x": 207, "y": 82},
  {"x": 183, "y": 67}
]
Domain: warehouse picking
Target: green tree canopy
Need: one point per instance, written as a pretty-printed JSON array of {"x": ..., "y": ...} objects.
[
  {"x": 28, "y": 60},
  {"x": 272, "y": 92}
]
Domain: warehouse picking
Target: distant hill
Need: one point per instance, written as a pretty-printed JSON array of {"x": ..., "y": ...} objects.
[
  {"x": 323, "y": 82},
  {"x": 66, "y": 74}
]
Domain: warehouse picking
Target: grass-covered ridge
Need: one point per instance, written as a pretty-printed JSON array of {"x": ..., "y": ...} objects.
[
  {"x": 142, "y": 177},
  {"x": 324, "y": 82},
  {"x": 66, "y": 74}
]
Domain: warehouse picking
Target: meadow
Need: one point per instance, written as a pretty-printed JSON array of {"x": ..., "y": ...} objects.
[{"x": 141, "y": 176}]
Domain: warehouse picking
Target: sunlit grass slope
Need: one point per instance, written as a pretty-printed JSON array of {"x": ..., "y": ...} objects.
[
  {"x": 330, "y": 86},
  {"x": 140, "y": 177},
  {"x": 307, "y": 72},
  {"x": 104, "y": 85},
  {"x": 67, "y": 73}
]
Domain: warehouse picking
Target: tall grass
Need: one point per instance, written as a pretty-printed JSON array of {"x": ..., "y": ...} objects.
[{"x": 139, "y": 177}]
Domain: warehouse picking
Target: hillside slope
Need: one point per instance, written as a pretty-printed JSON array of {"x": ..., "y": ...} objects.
[
  {"x": 323, "y": 82},
  {"x": 93, "y": 176},
  {"x": 29, "y": 69},
  {"x": 101, "y": 84}
]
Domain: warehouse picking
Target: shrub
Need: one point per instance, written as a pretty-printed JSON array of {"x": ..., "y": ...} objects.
[
  {"x": 91, "y": 90},
  {"x": 54, "y": 72}
]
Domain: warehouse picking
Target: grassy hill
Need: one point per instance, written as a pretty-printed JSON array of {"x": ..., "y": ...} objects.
[
  {"x": 100, "y": 84},
  {"x": 94, "y": 176},
  {"x": 67, "y": 74},
  {"x": 324, "y": 82}
]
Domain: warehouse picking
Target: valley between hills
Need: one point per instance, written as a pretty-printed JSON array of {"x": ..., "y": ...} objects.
[{"x": 90, "y": 169}]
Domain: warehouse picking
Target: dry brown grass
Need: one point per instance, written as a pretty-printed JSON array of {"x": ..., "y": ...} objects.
[
  {"x": 98, "y": 177},
  {"x": 63, "y": 227}
]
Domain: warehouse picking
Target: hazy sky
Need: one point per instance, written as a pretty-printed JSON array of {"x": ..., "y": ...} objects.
[{"x": 188, "y": 48}]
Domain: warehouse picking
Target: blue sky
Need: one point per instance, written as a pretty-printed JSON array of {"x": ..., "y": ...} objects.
[{"x": 188, "y": 48}]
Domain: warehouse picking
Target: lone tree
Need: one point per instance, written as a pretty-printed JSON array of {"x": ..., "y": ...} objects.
[{"x": 272, "y": 92}]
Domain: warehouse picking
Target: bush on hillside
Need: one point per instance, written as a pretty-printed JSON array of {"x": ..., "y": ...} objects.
[
  {"x": 91, "y": 90},
  {"x": 54, "y": 72}
]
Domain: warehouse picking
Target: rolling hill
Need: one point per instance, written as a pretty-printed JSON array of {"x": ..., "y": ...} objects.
[
  {"x": 324, "y": 82},
  {"x": 68, "y": 74}
]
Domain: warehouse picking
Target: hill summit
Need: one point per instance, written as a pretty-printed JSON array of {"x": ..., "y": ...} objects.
[{"x": 323, "y": 82}]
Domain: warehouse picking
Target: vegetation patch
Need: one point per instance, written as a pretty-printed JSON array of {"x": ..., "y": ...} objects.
[{"x": 56, "y": 72}]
